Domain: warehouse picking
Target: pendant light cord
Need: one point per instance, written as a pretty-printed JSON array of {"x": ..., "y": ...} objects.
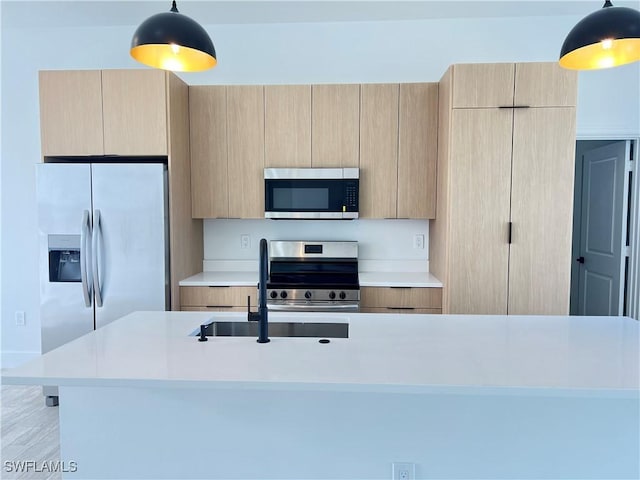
[
  {"x": 607, "y": 3},
  {"x": 174, "y": 7}
]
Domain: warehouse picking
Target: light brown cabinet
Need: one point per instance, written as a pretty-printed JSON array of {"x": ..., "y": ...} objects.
[
  {"x": 501, "y": 238},
  {"x": 287, "y": 126},
  {"x": 245, "y": 150},
  {"x": 542, "y": 84},
  {"x": 398, "y": 150},
  {"x": 217, "y": 298},
  {"x": 209, "y": 169},
  {"x": 108, "y": 112},
  {"x": 71, "y": 113},
  {"x": 400, "y": 300},
  {"x": 335, "y": 120},
  {"x": 227, "y": 151},
  {"x": 379, "y": 150},
  {"x": 417, "y": 150}
]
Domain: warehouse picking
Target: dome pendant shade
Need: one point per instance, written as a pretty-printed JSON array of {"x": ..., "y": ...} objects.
[
  {"x": 607, "y": 38},
  {"x": 173, "y": 41}
]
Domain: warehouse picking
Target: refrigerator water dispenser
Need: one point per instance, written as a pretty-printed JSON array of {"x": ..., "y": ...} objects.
[{"x": 64, "y": 258}]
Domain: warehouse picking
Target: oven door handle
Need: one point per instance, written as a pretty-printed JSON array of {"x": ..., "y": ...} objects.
[{"x": 292, "y": 307}]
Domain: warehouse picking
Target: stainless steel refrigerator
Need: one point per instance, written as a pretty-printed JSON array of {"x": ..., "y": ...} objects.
[{"x": 103, "y": 240}]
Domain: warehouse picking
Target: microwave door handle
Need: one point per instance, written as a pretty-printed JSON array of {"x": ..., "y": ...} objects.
[
  {"x": 85, "y": 233},
  {"x": 97, "y": 233}
]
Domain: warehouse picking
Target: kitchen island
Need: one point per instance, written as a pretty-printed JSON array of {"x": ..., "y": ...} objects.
[{"x": 458, "y": 396}]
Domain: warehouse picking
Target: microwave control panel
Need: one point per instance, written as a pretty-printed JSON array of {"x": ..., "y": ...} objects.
[{"x": 351, "y": 196}]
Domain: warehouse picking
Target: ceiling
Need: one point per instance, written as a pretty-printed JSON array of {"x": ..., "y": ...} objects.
[{"x": 49, "y": 13}]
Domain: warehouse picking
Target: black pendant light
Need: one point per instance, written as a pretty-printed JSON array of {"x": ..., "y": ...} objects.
[
  {"x": 607, "y": 38},
  {"x": 173, "y": 41}
]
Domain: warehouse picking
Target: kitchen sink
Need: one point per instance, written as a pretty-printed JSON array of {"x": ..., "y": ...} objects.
[{"x": 276, "y": 329}]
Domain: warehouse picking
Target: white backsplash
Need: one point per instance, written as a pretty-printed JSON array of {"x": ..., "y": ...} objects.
[{"x": 382, "y": 244}]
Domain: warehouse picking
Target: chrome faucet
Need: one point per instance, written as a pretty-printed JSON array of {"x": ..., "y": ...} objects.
[{"x": 262, "y": 315}]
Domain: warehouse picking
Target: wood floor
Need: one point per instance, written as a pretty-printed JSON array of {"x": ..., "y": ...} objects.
[{"x": 30, "y": 433}]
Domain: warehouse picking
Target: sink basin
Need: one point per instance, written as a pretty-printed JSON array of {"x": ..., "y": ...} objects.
[{"x": 277, "y": 329}]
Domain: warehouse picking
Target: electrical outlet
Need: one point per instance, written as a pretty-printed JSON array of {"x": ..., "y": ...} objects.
[
  {"x": 20, "y": 319},
  {"x": 418, "y": 241},
  {"x": 245, "y": 241},
  {"x": 403, "y": 471}
]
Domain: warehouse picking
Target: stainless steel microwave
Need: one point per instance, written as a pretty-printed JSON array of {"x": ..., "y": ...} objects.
[{"x": 311, "y": 193}]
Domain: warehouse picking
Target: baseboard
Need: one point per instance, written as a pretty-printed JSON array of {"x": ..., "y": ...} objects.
[{"x": 12, "y": 358}]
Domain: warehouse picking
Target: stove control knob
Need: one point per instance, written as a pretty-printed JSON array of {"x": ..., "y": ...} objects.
[
  {"x": 343, "y": 295},
  {"x": 307, "y": 294},
  {"x": 273, "y": 294},
  {"x": 283, "y": 294},
  {"x": 332, "y": 295}
]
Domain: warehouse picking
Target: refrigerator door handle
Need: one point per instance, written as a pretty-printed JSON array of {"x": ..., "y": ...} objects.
[
  {"x": 85, "y": 233},
  {"x": 97, "y": 232}
]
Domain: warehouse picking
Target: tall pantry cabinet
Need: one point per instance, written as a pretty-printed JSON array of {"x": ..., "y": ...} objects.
[{"x": 501, "y": 240}]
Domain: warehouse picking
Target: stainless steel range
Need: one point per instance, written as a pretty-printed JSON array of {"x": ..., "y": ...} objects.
[{"x": 313, "y": 276}]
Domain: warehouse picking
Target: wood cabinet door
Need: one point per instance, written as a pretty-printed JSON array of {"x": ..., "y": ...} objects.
[
  {"x": 483, "y": 85},
  {"x": 134, "y": 112},
  {"x": 545, "y": 84},
  {"x": 542, "y": 211},
  {"x": 208, "y": 132},
  {"x": 245, "y": 150},
  {"x": 378, "y": 150},
  {"x": 417, "y": 150},
  {"x": 287, "y": 126},
  {"x": 479, "y": 207},
  {"x": 335, "y": 117},
  {"x": 71, "y": 113}
]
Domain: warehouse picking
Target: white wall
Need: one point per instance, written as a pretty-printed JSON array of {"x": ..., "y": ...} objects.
[{"x": 261, "y": 54}]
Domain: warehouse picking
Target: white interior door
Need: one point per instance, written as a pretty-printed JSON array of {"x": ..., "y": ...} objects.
[
  {"x": 129, "y": 219},
  {"x": 601, "y": 238}
]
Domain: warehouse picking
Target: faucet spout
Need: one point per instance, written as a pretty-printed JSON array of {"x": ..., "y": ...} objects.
[{"x": 263, "y": 312}]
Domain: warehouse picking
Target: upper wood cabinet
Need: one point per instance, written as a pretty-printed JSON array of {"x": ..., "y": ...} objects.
[
  {"x": 545, "y": 84},
  {"x": 108, "y": 112},
  {"x": 287, "y": 126},
  {"x": 208, "y": 122},
  {"x": 379, "y": 150},
  {"x": 135, "y": 112},
  {"x": 505, "y": 183},
  {"x": 398, "y": 150},
  {"x": 482, "y": 85},
  {"x": 245, "y": 150},
  {"x": 71, "y": 112},
  {"x": 417, "y": 150},
  {"x": 542, "y": 84},
  {"x": 335, "y": 117}
]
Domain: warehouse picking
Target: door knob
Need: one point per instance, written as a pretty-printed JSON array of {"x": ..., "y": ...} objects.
[{"x": 580, "y": 259}]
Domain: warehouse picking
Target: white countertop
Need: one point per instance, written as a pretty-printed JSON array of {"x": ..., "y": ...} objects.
[
  {"x": 384, "y": 352},
  {"x": 398, "y": 279},
  {"x": 367, "y": 279},
  {"x": 221, "y": 279}
]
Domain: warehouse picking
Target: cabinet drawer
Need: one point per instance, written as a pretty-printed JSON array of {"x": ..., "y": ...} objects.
[
  {"x": 383, "y": 297},
  {"x": 400, "y": 310},
  {"x": 217, "y": 296}
]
